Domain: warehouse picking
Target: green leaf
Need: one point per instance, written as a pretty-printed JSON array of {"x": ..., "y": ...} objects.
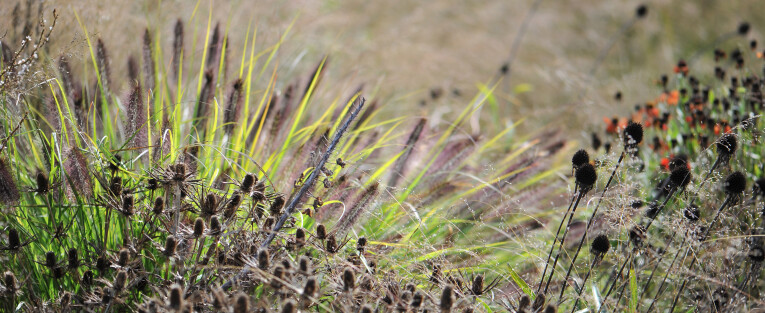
[
  {"x": 633, "y": 291},
  {"x": 519, "y": 281}
]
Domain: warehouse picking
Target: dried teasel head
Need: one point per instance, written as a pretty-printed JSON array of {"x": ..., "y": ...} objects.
[
  {"x": 248, "y": 182},
  {"x": 539, "y": 302},
  {"x": 231, "y": 206},
  {"x": 43, "y": 183},
  {"x": 199, "y": 227},
  {"x": 331, "y": 244},
  {"x": 73, "y": 259},
  {"x": 176, "y": 297},
  {"x": 277, "y": 205},
  {"x": 309, "y": 291},
  {"x": 50, "y": 259},
  {"x": 447, "y": 299},
  {"x": 215, "y": 226},
  {"x": 263, "y": 259},
  {"x": 159, "y": 206},
  {"x": 209, "y": 205},
  {"x": 361, "y": 244},
  {"x": 349, "y": 280},
  {"x": 304, "y": 265},
  {"x": 14, "y": 242},
  {"x": 123, "y": 257},
  {"x": 11, "y": 284},
  {"x": 242, "y": 303},
  {"x": 87, "y": 278},
  {"x": 321, "y": 232},
  {"x": 120, "y": 280},
  {"x": 300, "y": 236},
  {"x": 289, "y": 307},
  {"x": 128, "y": 205},
  {"x": 477, "y": 287},
  {"x": 170, "y": 245}
]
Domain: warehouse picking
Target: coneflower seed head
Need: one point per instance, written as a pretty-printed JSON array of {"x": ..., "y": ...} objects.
[
  {"x": 586, "y": 176},
  {"x": 580, "y": 158},
  {"x": 735, "y": 183}
]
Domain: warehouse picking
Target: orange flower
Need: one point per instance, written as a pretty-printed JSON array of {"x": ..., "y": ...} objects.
[{"x": 671, "y": 99}]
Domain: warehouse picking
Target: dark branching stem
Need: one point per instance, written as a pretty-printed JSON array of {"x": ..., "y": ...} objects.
[
  {"x": 289, "y": 210},
  {"x": 616, "y": 279},
  {"x": 589, "y": 223},
  {"x": 661, "y": 286},
  {"x": 725, "y": 204},
  {"x": 552, "y": 247},
  {"x": 584, "y": 283},
  {"x": 582, "y": 192}
]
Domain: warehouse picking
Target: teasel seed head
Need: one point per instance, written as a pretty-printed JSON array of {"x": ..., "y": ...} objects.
[
  {"x": 551, "y": 309},
  {"x": 321, "y": 232},
  {"x": 14, "y": 242},
  {"x": 102, "y": 264},
  {"x": 176, "y": 297},
  {"x": 304, "y": 264},
  {"x": 586, "y": 176},
  {"x": 331, "y": 244},
  {"x": 277, "y": 205},
  {"x": 524, "y": 302},
  {"x": 580, "y": 158},
  {"x": 735, "y": 183},
  {"x": 170, "y": 244},
  {"x": 263, "y": 259},
  {"x": 232, "y": 205},
  {"x": 123, "y": 257},
  {"x": 447, "y": 299},
  {"x": 300, "y": 236},
  {"x": 43, "y": 184},
  {"x": 159, "y": 206},
  {"x": 633, "y": 135},
  {"x": 478, "y": 285},
  {"x": 726, "y": 146},
  {"x": 179, "y": 171},
  {"x": 600, "y": 246},
  {"x": 637, "y": 235},
  {"x": 242, "y": 303},
  {"x": 215, "y": 226},
  {"x": 209, "y": 205},
  {"x": 309, "y": 291},
  {"x": 248, "y": 182},
  {"x": 11, "y": 284},
  {"x": 73, "y": 259},
  {"x": 361, "y": 244},
  {"x": 680, "y": 177},
  {"x": 128, "y": 205},
  {"x": 199, "y": 227},
  {"x": 50, "y": 259},
  {"x": 349, "y": 280},
  {"x": 538, "y": 302},
  {"x": 289, "y": 307},
  {"x": 120, "y": 280}
]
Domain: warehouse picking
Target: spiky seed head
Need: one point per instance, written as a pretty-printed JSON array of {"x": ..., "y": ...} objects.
[
  {"x": 600, "y": 245},
  {"x": 43, "y": 184},
  {"x": 199, "y": 227},
  {"x": 331, "y": 245},
  {"x": 727, "y": 145},
  {"x": 447, "y": 299},
  {"x": 586, "y": 176},
  {"x": 14, "y": 242},
  {"x": 247, "y": 182},
  {"x": 321, "y": 232},
  {"x": 73, "y": 258},
  {"x": 128, "y": 205},
  {"x": 120, "y": 280},
  {"x": 277, "y": 205},
  {"x": 87, "y": 278},
  {"x": 361, "y": 244},
  {"x": 580, "y": 158},
  {"x": 242, "y": 303},
  {"x": 50, "y": 259},
  {"x": 290, "y": 307},
  {"x": 232, "y": 205},
  {"x": 66, "y": 299},
  {"x": 735, "y": 183},
  {"x": 263, "y": 259},
  {"x": 179, "y": 172},
  {"x": 524, "y": 302},
  {"x": 215, "y": 227},
  {"x": 300, "y": 236},
  {"x": 159, "y": 206},
  {"x": 310, "y": 287},
  {"x": 10, "y": 282},
  {"x": 349, "y": 280},
  {"x": 176, "y": 297},
  {"x": 170, "y": 244},
  {"x": 539, "y": 302},
  {"x": 678, "y": 161},
  {"x": 633, "y": 134},
  {"x": 692, "y": 213},
  {"x": 743, "y": 28},
  {"x": 477, "y": 287},
  {"x": 304, "y": 263},
  {"x": 680, "y": 177},
  {"x": 551, "y": 309},
  {"x": 641, "y": 11},
  {"x": 102, "y": 264},
  {"x": 123, "y": 257},
  {"x": 59, "y": 272}
]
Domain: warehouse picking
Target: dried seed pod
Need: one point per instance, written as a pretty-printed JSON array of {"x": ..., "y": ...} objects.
[
  {"x": 551, "y": 309},
  {"x": 277, "y": 205},
  {"x": 580, "y": 158},
  {"x": 103, "y": 264},
  {"x": 726, "y": 146},
  {"x": 199, "y": 227},
  {"x": 278, "y": 276},
  {"x": 309, "y": 291},
  {"x": 248, "y": 182},
  {"x": 231, "y": 206},
  {"x": 159, "y": 206},
  {"x": 477, "y": 287},
  {"x": 331, "y": 244},
  {"x": 600, "y": 246},
  {"x": 304, "y": 264},
  {"x": 43, "y": 184},
  {"x": 50, "y": 259},
  {"x": 123, "y": 257},
  {"x": 633, "y": 135},
  {"x": 349, "y": 280},
  {"x": 128, "y": 205},
  {"x": 263, "y": 259},
  {"x": 735, "y": 183},
  {"x": 120, "y": 280},
  {"x": 176, "y": 297},
  {"x": 680, "y": 177},
  {"x": 447, "y": 299},
  {"x": 538, "y": 302},
  {"x": 586, "y": 176},
  {"x": 74, "y": 260},
  {"x": 692, "y": 213},
  {"x": 416, "y": 300},
  {"x": 289, "y": 307},
  {"x": 87, "y": 278},
  {"x": 242, "y": 303},
  {"x": 321, "y": 232},
  {"x": 361, "y": 244},
  {"x": 11, "y": 284},
  {"x": 170, "y": 244},
  {"x": 14, "y": 242},
  {"x": 300, "y": 237},
  {"x": 215, "y": 226}
]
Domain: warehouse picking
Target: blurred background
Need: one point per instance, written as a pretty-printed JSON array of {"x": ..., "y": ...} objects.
[{"x": 405, "y": 52}]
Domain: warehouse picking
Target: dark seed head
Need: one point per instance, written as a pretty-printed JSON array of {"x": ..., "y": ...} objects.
[
  {"x": 447, "y": 299},
  {"x": 524, "y": 302},
  {"x": 600, "y": 245},
  {"x": 692, "y": 213},
  {"x": 321, "y": 232},
  {"x": 263, "y": 259},
  {"x": 176, "y": 297},
  {"x": 331, "y": 244},
  {"x": 735, "y": 183},
  {"x": 277, "y": 205},
  {"x": 289, "y": 307},
  {"x": 215, "y": 227},
  {"x": 477, "y": 287},
  {"x": 159, "y": 206},
  {"x": 726, "y": 145},
  {"x": 551, "y": 309},
  {"x": 242, "y": 304},
  {"x": 539, "y": 302},
  {"x": 10, "y": 282},
  {"x": 247, "y": 183},
  {"x": 74, "y": 260},
  {"x": 680, "y": 177},
  {"x": 637, "y": 234},
  {"x": 43, "y": 184},
  {"x": 757, "y": 254},
  {"x": 310, "y": 287},
  {"x": 199, "y": 227},
  {"x": 743, "y": 28},
  {"x": 633, "y": 134},
  {"x": 87, "y": 278},
  {"x": 128, "y": 205},
  {"x": 349, "y": 280},
  {"x": 361, "y": 244},
  {"x": 170, "y": 245},
  {"x": 580, "y": 158},
  {"x": 14, "y": 242},
  {"x": 586, "y": 176},
  {"x": 120, "y": 280},
  {"x": 50, "y": 259},
  {"x": 641, "y": 11},
  {"x": 123, "y": 257},
  {"x": 300, "y": 236}
]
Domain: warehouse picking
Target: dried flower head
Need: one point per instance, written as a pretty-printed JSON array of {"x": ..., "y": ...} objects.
[
  {"x": 349, "y": 280},
  {"x": 600, "y": 245},
  {"x": 735, "y": 183},
  {"x": 242, "y": 303},
  {"x": 633, "y": 134},
  {"x": 176, "y": 297},
  {"x": 447, "y": 299},
  {"x": 580, "y": 158},
  {"x": 199, "y": 227},
  {"x": 680, "y": 177},
  {"x": 170, "y": 245},
  {"x": 586, "y": 176}
]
